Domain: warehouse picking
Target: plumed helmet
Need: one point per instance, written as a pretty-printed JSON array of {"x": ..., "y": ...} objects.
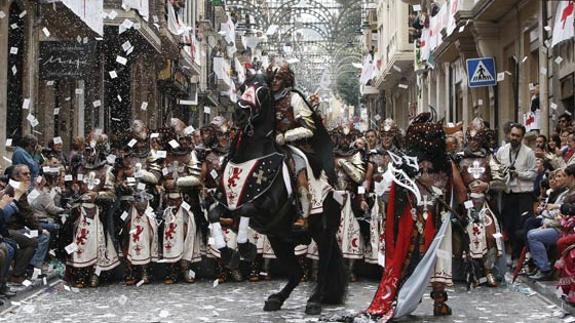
[
  {"x": 139, "y": 130},
  {"x": 425, "y": 139},
  {"x": 280, "y": 70},
  {"x": 390, "y": 129},
  {"x": 98, "y": 140},
  {"x": 452, "y": 129},
  {"x": 178, "y": 125}
]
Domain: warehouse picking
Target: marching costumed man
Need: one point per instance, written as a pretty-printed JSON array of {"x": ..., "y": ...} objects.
[
  {"x": 351, "y": 167},
  {"x": 418, "y": 228},
  {"x": 181, "y": 245},
  {"x": 142, "y": 164},
  {"x": 391, "y": 137},
  {"x": 91, "y": 250},
  {"x": 180, "y": 239},
  {"x": 215, "y": 139},
  {"x": 378, "y": 186},
  {"x": 136, "y": 170},
  {"x": 483, "y": 230},
  {"x": 139, "y": 237}
]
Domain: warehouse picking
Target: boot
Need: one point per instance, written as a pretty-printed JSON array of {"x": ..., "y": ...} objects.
[
  {"x": 439, "y": 307},
  {"x": 186, "y": 273},
  {"x": 79, "y": 278},
  {"x": 304, "y": 198},
  {"x": 188, "y": 277},
  {"x": 94, "y": 281},
  {"x": 146, "y": 275},
  {"x": 254, "y": 277},
  {"x": 130, "y": 279},
  {"x": 236, "y": 276},
  {"x": 264, "y": 274},
  {"x": 352, "y": 276},
  {"x": 171, "y": 277},
  {"x": 491, "y": 282},
  {"x": 222, "y": 277}
]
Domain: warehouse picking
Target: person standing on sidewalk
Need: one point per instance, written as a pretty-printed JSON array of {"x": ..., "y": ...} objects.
[{"x": 518, "y": 196}]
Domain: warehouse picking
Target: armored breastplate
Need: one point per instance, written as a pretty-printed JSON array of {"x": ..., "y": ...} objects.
[
  {"x": 135, "y": 160},
  {"x": 344, "y": 180},
  {"x": 92, "y": 180},
  {"x": 176, "y": 166},
  {"x": 438, "y": 188},
  {"x": 379, "y": 161},
  {"x": 474, "y": 169},
  {"x": 285, "y": 118}
]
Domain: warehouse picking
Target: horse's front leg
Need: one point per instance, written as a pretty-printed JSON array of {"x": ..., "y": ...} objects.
[
  {"x": 229, "y": 257},
  {"x": 248, "y": 251},
  {"x": 284, "y": 251}
]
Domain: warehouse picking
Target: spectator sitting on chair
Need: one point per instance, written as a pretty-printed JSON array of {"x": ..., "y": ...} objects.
[
  {"x": 539, "y": 240},
  {"x": 23, "y": 227},
  {"x": 7, "y": 250}
]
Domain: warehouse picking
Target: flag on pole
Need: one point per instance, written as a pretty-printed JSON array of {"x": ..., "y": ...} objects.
[
  {"x": 367, "y": 71},
  {"x": 563, "y": 28}
]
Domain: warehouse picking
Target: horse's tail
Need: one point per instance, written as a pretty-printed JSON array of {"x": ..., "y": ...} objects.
[{"x": 336, "y": 276}]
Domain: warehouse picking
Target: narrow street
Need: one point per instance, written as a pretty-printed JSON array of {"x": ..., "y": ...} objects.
[{"x": 243, "y": 302}]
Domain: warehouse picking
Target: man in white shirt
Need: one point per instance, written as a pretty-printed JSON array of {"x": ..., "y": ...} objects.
[{"x": 518, "y": 198}]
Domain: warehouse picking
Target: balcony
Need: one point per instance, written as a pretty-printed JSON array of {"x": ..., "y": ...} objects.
[{"x": 492, "y": 10}]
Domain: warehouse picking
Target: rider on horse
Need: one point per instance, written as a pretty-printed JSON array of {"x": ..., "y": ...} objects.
[{"x": 295, "y": 126}]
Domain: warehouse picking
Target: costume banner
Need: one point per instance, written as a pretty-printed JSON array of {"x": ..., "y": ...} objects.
[{"x": 411, "y": 293}]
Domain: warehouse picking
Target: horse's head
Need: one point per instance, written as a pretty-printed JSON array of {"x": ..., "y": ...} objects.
[{"x": 254, "y": 108}]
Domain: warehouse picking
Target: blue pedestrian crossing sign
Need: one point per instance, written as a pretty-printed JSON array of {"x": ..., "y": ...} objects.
[{"x": 481, "y": 72}]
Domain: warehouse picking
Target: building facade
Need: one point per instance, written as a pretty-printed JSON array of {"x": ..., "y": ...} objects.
[
  {"x": 422, "y": 49},
  {"x": 72, "y": 66}
]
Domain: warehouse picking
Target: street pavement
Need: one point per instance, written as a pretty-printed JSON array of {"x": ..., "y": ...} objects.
[{"x": 243, "y": 302}]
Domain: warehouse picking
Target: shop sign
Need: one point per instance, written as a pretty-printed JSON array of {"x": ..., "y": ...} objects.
[{"x": 66, "y": 60}]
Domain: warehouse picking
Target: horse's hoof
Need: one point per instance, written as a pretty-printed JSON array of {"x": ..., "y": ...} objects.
[
  {"x": 313, "y": 308},
  {"x": 248, "y": 251},
  {"x": 273, "y": 303},
  {"x": 230, "y": 258}
]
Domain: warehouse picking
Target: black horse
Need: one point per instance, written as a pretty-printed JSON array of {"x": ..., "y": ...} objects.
[{"x": 269, "y": 204}]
